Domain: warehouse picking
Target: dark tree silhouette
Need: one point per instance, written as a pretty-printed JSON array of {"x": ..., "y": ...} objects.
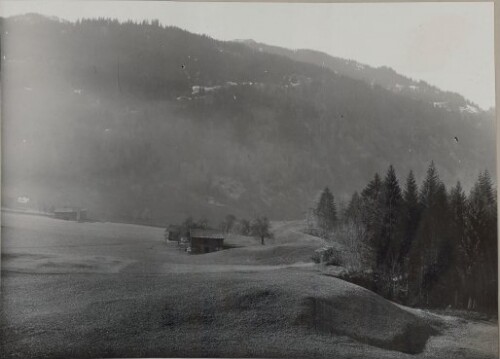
[
  {"x": 388, "y": 243},
  {"x": 260, "y": 228},
  {"x": 431, "y": 248},
  {"x": 464, "y": 253},
  {"x": 326, "y": 212},
  {"x": 481, "y": 228},
  {"x": 410, "y": 217}
]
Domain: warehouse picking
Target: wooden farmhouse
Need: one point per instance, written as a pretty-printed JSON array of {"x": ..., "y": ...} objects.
[
  {"x": 71, "y": 214},
  {"x": 205, "y": 241}
]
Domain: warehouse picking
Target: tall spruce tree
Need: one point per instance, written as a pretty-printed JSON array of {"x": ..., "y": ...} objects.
[
  {"x": 425, "y": 251},
  {"x": 388, "y": 243},
  {"x": 409, "y": 221},
  {"x": 372, "y": 205},
  {"x": 442, "y": 269},
  {"x": 354, "y": 209},
  {"x": 489, "y": 243},
  {"x": 410, "y": 216},
  {"x": 462, "y": 256},
  {"x": 482, "y": 232},
  {"x": 326, "y": 212},
  {"x": 373, "y": 189}
]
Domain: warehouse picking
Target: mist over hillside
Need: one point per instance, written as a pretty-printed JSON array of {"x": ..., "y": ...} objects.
[
  {"x": 383, "y": 76},
  {"x": 144, "y": 123}
]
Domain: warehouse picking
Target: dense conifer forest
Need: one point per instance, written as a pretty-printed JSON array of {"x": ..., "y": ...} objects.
[{"x": 426, "y": 245}]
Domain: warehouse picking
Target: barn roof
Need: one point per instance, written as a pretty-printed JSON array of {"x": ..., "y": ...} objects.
[
  {"x": 206, "y": 233},
  {"x": 68, "y": 210}
]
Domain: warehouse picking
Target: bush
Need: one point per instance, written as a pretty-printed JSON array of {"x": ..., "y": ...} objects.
[
  {"x": 356, "y": 255},
  {"x": 328, "y": 256}
]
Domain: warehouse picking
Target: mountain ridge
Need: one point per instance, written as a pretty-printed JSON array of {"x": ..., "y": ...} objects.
[
  {"x": 384, "y": 76},
  {"x": 145, "y": 123}
]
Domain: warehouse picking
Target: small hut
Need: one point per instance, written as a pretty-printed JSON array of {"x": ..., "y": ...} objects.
[
  {"x": 71, "y": 214},
  {"x": 205, "y": 241}
]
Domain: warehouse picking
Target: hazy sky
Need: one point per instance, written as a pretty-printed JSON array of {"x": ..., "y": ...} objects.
[{"x": 449, "y": 45}]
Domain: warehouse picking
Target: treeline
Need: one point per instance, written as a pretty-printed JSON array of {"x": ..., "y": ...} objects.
[{"x": 421, "y": 246}]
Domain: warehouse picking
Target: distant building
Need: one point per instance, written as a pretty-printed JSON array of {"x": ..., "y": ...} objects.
[
  {"x": 71, "y": 214},
  {"x": 205, "y": 241},
  {"x": 440, "y": 104}
]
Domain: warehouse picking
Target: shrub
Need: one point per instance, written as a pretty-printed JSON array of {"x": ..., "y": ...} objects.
[{"x": 328, "y": 256}]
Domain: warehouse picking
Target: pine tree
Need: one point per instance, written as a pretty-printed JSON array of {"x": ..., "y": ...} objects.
[
  {"x": 482, "y": 233},
  {"x": 373, "y": 189},
  {"x": 461, "y": 254},
  {"x": 326, "y": 212},
  {"x": 388, "y": 243},
  {"x": 486, "y": 189},
  {"x": 371, "y": 214},
  {"x": 410, "y": 216},
  {"x": 425, "y": 251},
  {"x": 430, "y": 187},
  {"x": 442, "y": 269},
  {"x": 371, "y": 197},
  {"x": 354, "y": 208}
]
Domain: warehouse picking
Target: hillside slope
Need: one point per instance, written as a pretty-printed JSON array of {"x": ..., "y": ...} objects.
[
  {"x": 382, "y": 76},
  {"x": 143, "y": 123}
]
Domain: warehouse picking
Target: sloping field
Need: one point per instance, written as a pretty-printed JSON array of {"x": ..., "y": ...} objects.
[
  {"x": 268, "y": 254},
  {"x": 112, "y": 290},
  {"x": 197, "y": 315},
  {"x": 45, "y": 245}
]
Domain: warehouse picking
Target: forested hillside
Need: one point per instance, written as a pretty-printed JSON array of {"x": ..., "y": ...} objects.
[
  {"x": 145, "y": 123},
  {"x": 382, "y": 76}
]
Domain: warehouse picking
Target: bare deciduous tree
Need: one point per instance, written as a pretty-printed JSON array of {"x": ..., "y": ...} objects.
[{"x": 260, "y": 228}]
